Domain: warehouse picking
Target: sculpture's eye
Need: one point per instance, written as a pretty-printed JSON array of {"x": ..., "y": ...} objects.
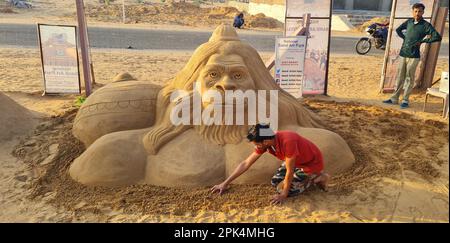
[
  {"x": 237, "y": 76},
  {"x": 213, "y": 74}
]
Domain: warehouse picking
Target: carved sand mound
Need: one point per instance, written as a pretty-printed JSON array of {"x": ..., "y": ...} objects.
[
  {"x": 122, "y": 105},
  {"x": 15, "y": 120},
  {"x": 125, "y": 146}
]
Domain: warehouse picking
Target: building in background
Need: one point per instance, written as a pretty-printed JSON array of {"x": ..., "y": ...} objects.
[
  {"x": 276, "y": 8},
  {"x": 363, "y": 5}
]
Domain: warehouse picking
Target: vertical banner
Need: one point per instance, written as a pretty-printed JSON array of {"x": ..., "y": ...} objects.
[
  {"x": 289, "y": 64},
  {"x": 316, "y": 60},
  {"x": 59, "y": 57},
  {"x": 318, "y": 48},
  {"x": 402, "y": 12}
]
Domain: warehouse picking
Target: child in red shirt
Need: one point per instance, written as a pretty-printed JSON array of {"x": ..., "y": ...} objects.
[{"x": 302, "y": 166}]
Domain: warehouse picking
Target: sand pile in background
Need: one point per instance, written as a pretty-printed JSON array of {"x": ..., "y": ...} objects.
[
  {"x": 15, "y": 120},
  {"x": 187, "y": 14},
  {"x": 5, "y": 7},
  {"x": 262, "y": 21},
  {"x": 153, "y": 13},
  {"x": 380, "y": 20},
  {"x": 374, "y": 135}
]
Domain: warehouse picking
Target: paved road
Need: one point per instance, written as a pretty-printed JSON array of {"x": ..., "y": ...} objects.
[{"x": 25, "y": 35}]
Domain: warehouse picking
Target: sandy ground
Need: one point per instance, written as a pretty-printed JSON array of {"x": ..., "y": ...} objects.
[
  {"x": 385, "y": 185},
  {"x": 401, "y": 173}
]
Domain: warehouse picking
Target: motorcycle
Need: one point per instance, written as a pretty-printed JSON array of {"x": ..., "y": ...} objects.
[{"x": 375, "y": 38}]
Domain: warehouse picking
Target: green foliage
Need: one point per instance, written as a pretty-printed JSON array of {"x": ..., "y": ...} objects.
[{"x": 79, "y": 101}]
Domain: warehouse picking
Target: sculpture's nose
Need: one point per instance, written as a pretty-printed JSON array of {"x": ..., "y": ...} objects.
[{"x": 226, "y": 84}]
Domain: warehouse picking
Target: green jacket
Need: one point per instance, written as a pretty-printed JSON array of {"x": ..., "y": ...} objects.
[{"x": 416, "y": 33}]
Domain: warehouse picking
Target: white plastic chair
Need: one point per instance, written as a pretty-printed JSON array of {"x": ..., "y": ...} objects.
[{"x": 441, "y": 92}]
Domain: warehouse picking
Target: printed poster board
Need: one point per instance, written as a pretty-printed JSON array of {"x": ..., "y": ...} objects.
[
  {"x": 318, "y": 48},
  {"x": 289, "y": 64},
  {"x": 316, "y": 59},
  {"x": 59, "y": 57}
]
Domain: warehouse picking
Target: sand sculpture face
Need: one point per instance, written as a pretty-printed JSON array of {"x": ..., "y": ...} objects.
[
  {"x": 223, "y": 63},
  {"x": 198, "y": 155},
  {"x": 225, "y": 72}
]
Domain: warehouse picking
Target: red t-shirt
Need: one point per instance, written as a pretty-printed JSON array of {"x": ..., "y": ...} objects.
[{"x": 289, "y": 144}]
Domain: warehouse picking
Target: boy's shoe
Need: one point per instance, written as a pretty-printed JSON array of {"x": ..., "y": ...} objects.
[
  {"x": 389, "y": 101},
  {"x": 404, "y": 105}
]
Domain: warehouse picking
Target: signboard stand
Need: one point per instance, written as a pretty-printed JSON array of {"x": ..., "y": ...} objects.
[
  {"x": 433, "y": 50},
  {"x": 302, "y": 30},
  {"x": 388, "y": 45},
  {"x": 286, "y": 76},
  {"x": 418, "y": 82},
  {"x": 318, "y": 49},
  {"x": 289, "y": 66},
  {"x": 59, "y": 58}
]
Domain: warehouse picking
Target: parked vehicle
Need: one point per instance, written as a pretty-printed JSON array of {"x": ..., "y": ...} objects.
[{"x": 376, "y": 38}]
